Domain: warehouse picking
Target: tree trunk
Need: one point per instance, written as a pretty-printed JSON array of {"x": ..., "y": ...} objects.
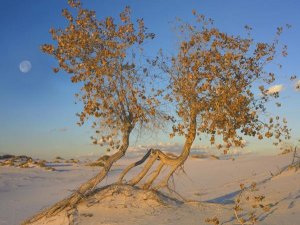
[
  {"x": 179, "y": 161},
  {"x": 155, "y": 154},
  {"x": 88, "y": 186}
]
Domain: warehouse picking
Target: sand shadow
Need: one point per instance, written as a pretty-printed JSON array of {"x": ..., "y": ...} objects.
[
  {"x": 58, "y": 164},
  {"x": 61, "y": 170},
  {"x": 225, "y": 199}
]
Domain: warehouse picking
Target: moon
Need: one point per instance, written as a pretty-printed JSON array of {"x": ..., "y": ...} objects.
[{"x": 25, "y": 66}]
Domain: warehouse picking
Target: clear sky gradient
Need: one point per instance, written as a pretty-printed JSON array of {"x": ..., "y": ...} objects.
[{"x": 37, "y": 110}]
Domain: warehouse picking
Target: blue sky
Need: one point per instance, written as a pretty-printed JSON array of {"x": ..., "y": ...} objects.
[{"x": 37, "y": 110}]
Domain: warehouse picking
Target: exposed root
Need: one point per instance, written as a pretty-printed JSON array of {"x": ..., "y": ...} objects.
[
  {"x": 135, "y": 164},
  {"x": 145, "y": 170},
  {"x": 165, "y": 160},
  {"x": 154, "y": 176},
  {"x": 173, "y": 191},
  {"x": 165, "y": 182},
  {"x": 153, "y": 155}
]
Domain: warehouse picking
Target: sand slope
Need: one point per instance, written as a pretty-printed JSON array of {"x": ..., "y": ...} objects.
[{"x": 213, "y": 183}]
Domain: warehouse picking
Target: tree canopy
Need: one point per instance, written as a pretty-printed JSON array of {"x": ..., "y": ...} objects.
[
  {"x": 104, "y": 57},
  {"x": 222, "y": 80}
]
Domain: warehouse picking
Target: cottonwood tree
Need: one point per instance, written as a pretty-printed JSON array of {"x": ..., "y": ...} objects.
[
  {"x": 219, "y": 83},
  {"x": 104, "y": 58}
]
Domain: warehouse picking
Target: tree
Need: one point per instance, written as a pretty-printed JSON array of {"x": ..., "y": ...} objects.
[
  {"x": 104, "y": 58},
  {"x": 219, "y": 85},
  {"x": 217, "y": 82}
]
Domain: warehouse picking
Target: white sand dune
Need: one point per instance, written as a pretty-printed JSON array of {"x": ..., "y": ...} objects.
[
  {"x": 25, "y": 191},
  {"x": 213, "y": 184}
]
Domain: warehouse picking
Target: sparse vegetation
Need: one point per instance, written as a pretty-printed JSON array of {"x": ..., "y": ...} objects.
[
  {"x": 214, "y": 221},
  {"x": 72, "y": 161},
  {"x": 296, "y": 160},
  {"x": 288, "y": 148},
  {"x": 59, "y": 158},
  {"x": 248, "y": 206},
  {"x": 248, "y": 199},
  {"x": 23, "y": 162}
]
